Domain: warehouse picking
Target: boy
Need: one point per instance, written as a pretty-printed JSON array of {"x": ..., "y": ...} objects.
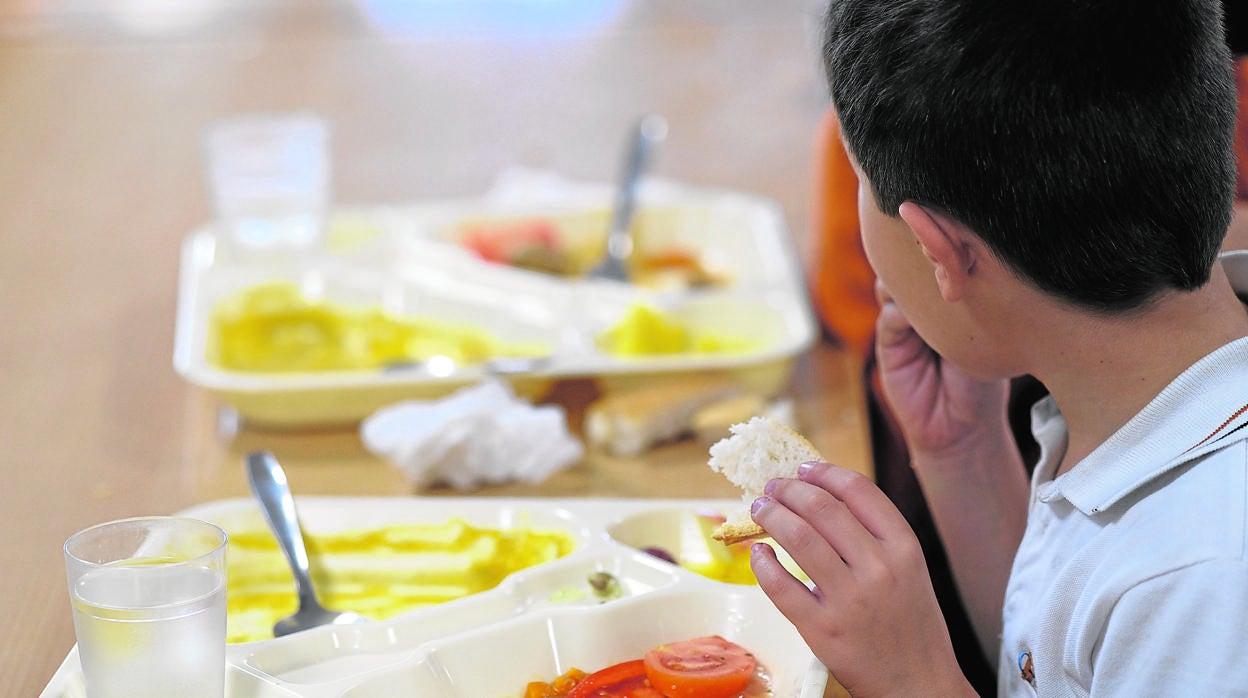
[{"x": 1045, "y": 187}]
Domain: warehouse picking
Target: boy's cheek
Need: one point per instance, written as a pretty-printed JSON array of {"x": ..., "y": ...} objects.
[{"x": 882, "y": 294}]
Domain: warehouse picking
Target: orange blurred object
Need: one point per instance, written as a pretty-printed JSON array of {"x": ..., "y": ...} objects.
[{"x": 842, "y": 283}]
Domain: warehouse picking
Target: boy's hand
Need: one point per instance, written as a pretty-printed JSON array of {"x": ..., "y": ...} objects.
[
  {"x": 872, "y": 617},
  {"x": 942, "y": 411}
]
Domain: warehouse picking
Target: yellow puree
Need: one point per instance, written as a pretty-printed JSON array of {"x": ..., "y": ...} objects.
[
  {"x": 272, "y": 327},
  {"x": 732, "y": 567},
  {"x": 380, "y": 572},
  {"x": 646, "y": 331},
  {"x": 728, "y": 563}
]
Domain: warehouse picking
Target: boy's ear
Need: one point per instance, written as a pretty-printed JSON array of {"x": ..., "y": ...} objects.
[{"x": 947, "y": 243}]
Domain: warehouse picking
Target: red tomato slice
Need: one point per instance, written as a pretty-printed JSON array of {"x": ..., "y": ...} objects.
[
  {"x": 624, "y": 680},
  {"x": 705, "y": 667}
]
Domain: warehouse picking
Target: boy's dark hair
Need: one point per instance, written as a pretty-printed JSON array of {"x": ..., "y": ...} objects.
[{"x": 1087, "y": 142}]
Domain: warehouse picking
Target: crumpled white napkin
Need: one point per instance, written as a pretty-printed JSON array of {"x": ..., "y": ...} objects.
[{"x": 482, "y": 434}]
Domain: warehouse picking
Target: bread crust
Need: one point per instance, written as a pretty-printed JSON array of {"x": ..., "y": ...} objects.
[{"x": 733, "y": 533}]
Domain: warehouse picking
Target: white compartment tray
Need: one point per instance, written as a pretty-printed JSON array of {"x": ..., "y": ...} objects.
[
  {"x": 400, "y": 260},
  {"x": 490, "y": 644}
]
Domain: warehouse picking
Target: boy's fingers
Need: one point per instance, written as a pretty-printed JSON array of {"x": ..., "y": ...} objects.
[
  {"x": 826, "y": 517},
  {"x": 862, "y": 498},
  {"x": 792, "y": 597},
  {"x": 800, "y": 539}
]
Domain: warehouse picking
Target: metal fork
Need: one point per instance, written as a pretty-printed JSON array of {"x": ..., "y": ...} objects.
[
  {"x": 268, "y": 483},
  {"x": 648, "y": 133}
]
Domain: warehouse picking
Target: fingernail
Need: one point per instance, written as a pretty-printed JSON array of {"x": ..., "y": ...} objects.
[
  {"x": 759, "y": 504},
  {"x": 805, "y": 468},
  {"x": 770, "y": 486},
  {"x": 758, "y": 548}
]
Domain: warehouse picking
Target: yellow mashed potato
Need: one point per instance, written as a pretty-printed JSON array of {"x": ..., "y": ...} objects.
[
  {"x": 734, "y": 568},
  {"x": 646, "y": 331},
  {"x": 272, "y": 327},
  {"x": 381, "y": 572}
]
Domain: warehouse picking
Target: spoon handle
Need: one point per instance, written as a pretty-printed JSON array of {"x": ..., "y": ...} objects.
[
  {"x": 647, "y": 134},
  {"x": 268, "y": 483}
]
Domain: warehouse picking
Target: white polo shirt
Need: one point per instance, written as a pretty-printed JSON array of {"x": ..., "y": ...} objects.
[{"x": 1132, "y": 576}]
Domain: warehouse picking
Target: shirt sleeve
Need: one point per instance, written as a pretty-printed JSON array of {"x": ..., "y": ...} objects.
[{"x": 1182, "y": 633}]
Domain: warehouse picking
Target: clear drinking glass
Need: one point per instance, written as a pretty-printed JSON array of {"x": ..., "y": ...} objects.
[
  {"x": 148, "y": 598},
  {"x": 268, "y": 177}
]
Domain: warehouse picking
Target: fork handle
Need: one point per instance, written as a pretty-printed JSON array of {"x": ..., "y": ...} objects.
[
  {"x": 649, "y": 131},
  {"x": 268, "y": 483}
]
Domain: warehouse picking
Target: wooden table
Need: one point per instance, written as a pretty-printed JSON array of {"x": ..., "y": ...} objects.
[{"x": 104, "y": 106}]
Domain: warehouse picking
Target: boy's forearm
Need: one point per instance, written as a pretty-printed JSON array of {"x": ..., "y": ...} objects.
[{"x": 978, "y": 501}]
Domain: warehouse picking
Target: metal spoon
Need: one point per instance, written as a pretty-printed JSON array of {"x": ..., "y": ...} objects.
[
  {"x": 649, "y": 132},
  {"x": 268, "y": 483}
]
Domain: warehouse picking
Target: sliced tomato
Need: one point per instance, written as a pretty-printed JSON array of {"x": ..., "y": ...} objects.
[
  {"x": 705, "y": 667},
  {"x": 500, "y": 241},
  {"x": 623, "y": 680}
]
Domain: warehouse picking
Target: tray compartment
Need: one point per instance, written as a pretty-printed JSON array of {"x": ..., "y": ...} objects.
[
  {"x": 385, "y": 568},
  {"x": 337, "y": 653},
  {"x": 499, "y": 662},
  {"x": 686, "y": 535}
]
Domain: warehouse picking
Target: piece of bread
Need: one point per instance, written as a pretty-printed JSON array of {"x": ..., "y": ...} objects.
[
  {"x": 757, "y": 451},
  {"x": 630, "y": 421},
  {"x": 714, "y": 421}
]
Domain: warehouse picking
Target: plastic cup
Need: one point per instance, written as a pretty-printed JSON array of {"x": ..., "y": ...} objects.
[
  {"x": 268, "y": 177},
  {"x": 148, "y": 599}
]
